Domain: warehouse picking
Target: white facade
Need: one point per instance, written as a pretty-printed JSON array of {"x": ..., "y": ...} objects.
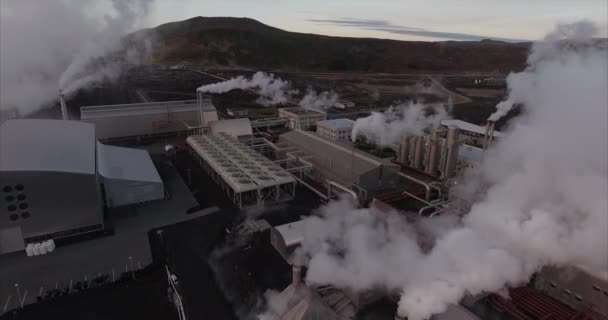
[
  {"x": 302, "y": 118},
  {"x": 335, "y": 129}
]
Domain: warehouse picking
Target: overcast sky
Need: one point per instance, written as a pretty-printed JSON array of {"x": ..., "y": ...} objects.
[{"x": 398, "y": 19}]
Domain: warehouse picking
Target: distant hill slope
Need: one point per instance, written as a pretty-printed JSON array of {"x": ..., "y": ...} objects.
[{"x": 247, "y": 43}]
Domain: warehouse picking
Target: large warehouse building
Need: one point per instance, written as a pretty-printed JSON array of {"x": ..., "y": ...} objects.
[
  {"x": 149, "y": 119},
  {"x": 339, "y": 161},
  {"x": 48, "y": 181},
  {"x": 53, "y": 178}
]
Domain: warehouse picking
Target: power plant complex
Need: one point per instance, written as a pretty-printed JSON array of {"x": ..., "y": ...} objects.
[{"x": 70, "y": 181}]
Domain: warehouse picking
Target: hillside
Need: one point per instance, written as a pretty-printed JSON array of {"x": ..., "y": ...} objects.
[{"x": 247, "y": 43}]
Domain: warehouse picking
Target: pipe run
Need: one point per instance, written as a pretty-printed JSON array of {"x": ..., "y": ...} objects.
[
  {"x": 341, "y": 187},
  {"x": 427, "y": 186}
]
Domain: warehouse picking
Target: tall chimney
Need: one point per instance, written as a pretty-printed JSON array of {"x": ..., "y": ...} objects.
[
  {"x": 403, "y": 149},
  {"x": 64, "y": 108},
  {"x": 431, "y": 166},
  {"x": 452, "y": 152},
  {"x": 296, "y": 275},
  {"x": 489, "y": 134},
  {"x": 418, "y": 150}
]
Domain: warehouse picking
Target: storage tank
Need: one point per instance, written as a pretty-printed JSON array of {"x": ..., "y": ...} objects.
[
  {"x": 452, "y": 152},
  {"x": 418, "y": 152},
  {"x": 403, "y": 149},
  {"x": 431, "y": 166},
  {"x": 43, "y": 249}
]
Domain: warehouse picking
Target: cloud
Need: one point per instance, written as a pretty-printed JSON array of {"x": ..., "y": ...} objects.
[{"x": 386, "y": 26}]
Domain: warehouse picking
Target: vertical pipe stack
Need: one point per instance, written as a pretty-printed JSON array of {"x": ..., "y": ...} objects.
[
  {"x": 431, "y": 166},
  {"x": 64, "y": 108},
  {"x": 296, "y": 275},
  {"x": 418, "y": 152},
  {"x": 489, "y": 134},
  {"x": 403, "y": 149},
  {"x": 452, "y": 152}
]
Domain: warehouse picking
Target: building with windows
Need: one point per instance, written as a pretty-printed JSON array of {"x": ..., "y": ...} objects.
[
  {"x": 335, "y": 129},
  {"x": 302, "y": 118},
  {"x": 55, "y": 179},
  {"x": 48, "y": 181}
]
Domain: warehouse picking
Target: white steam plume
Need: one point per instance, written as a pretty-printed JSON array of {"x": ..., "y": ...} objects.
[
  {"x": 39, "y": 40},
  {"x": 79, "y": 73},
  {"x": 318, "y": 101},
  {"x": 545, "y": 203},
  {"x": 271, "y": 90},
  {"x": 387, "y": 127}
]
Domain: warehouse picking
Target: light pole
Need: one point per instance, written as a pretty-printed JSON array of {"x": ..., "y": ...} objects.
[{"x": 131, "y": 263}]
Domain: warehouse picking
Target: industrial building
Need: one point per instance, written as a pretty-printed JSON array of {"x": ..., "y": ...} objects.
[
  {"x": 471, "y": 134},
  {"x": 48, "y": 180},
  {"x": 246, "y": 176},
  {"x": 301, "y": 118},
  {"x": 149, "y": 119},
  {"x": 575, "y": 287},
  {"x": 340, "y": 162},
  {"x": 55, "y": 179},
  {"x": 335, "y": 129},
  {"x": 234, "y": 127},
  {"x": 128, "y": 176},
  {"x": 237, "y": 112}
]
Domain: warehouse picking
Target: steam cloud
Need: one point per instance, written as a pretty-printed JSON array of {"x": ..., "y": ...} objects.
[
  {"x": 319, "y": 101},
  {"x": 272, "y": 91},
  {"x": 545, "y": 205},
  {"x": 59, "y": 45},
  {"x": 387, "y": 127}
]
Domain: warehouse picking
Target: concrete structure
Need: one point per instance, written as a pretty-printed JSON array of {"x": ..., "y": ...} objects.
[
  {"x": 48, "y": 181},
  {"x": 470, "y": 134},
  {"x": 234, "y": 127},
  {"x": 302, "y": 118},
  {"x": 149, "y": 119},
  {"x": 340, "y": 162},
  {"x": 335, "y": 129},
  {"x": 246, "y": 176},
  {"x": 575, "y": 287},
  {"x": 237, "y": 113},
  {"x": 128, "y": 176}
]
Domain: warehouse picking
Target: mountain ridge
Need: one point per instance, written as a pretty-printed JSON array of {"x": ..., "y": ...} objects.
[{"x": 247, "y": 43}]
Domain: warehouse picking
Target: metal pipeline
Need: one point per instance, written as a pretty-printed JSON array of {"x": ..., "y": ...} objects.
[
  {"x": 427, "y": 186},
  {"x": 341, "y": 187}
]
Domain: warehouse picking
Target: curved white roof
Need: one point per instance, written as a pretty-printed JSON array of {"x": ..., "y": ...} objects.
[
  {"x": 125, "y": 164},
  {"x": 47, "y": 145}
]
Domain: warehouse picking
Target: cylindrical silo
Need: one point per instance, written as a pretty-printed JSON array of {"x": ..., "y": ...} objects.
[
  {"x": 452, "y": 152},
  {"x": 403, "y": 149},
  {"x": 431, "y": 166},
  {"x": 418, "y": 152}
]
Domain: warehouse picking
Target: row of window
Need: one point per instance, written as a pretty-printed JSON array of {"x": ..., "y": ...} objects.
[{"x": 8, "y": 189}]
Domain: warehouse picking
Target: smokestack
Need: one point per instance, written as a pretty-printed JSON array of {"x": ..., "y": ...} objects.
[
  {"x": 418, "y": 149},
  {"x": 64, "y": 108},
  {"x": 489, "y": 134},
  {"x": 296, "y": 275},
  {"x": 431, "y": 166},
  {"x": 452, "y": 152},
  {"x": 403, "y": 149}
]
